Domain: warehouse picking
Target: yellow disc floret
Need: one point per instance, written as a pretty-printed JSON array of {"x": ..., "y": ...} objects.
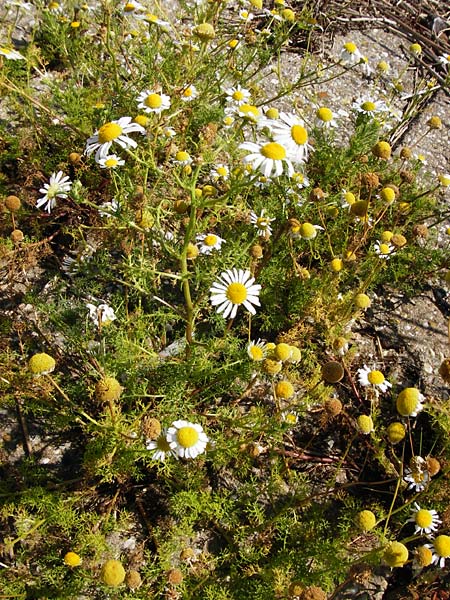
[
  {"x": 407, "y": 401},
  {"x": 108, "y": 389},
  {"x": 187, "y": 436},
  {"x": 109, "y": 132},
  {"x": 365, "y": 520},
  {"x": 236, "y": 293},
  {"x": 41, "y": 364},
  {"x": 396, "y": 554},
  {"x": 396, "y": 432},
  {"x": 423, "y": 518},
  {"x": 441, "y": 546},
  {"x": 71, "y": 559},
  {"x": 274, "y": 151},
  {"x": 375, "y": 377},
  {"x": 324, "y": 114},
  {"x": 299, "y": 134},
  {"x": 282, "y": 351},
  {"x": 284, "y": 390},
  {"x": 113, "y": 573}
]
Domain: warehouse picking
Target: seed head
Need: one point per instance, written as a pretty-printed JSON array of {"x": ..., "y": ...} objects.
[
  {"x": 362, "y": 301},
  {"x": 434, "y": 123},
  {"x": 256, "y": 251},
  {"x": 113, "y": 573},
  {"x": 13, "y": 203},
  {"x": 396, "y": 432},
  {"x": 205, "y": 32},
  {"x": 133, "y": 580},
  {"x": 333, "y": 406},
  {"x": 382, "y": 150},
  {"x": 16, "y": 236},
  {"x": 108, "y": 389},
  {"x": 395, "y": 554},
  {"x": 41, "y": 364},
  {"x": 398, "y": 240},
  {"x": 365, "y": 520},
  {"x": 405, "y": 153},
  {"x": 332, "y": 371}
]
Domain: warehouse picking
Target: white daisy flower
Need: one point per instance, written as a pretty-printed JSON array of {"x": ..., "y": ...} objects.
[
  {"x": 441, "y": 550},
  {"x": 256, "y": 350},
  {"x": 425, "y": 521},
  {"x": 161, "y": 447},
  {"x": 220, "y": 171},
  {"x": 417, "y": 476},
  {"x": 10, "y": 54},
  {"x": 133, "y": 8},
  {"x": 246, "y": 16},
  {"x": 111, "y": 161},
  {"x": 350, "y": 55},
  {"x": 248, "y": 112},
  {"x": 289, "y": 131},
  {"x": 189, "y": 93},
  {"x": 167, "y": 132},
  {"x": 186, "y": 440},
  {"x": 109, "y": 209},
  {"x": 235, "y": 287},
  {"x": 101, "y": 314},
  {"x": 114, "y": 131},
  {"x": 325, "y": 118},
  {"x": 151, "y": 101},
  {"x": 155, "y": 20},
  {"x": 58, "y": 187},
  {"x": 290, "y": 417},
  {"x": 369, "y": 107},
  {"x": 299, "y": 180},
  {"x": 383, "y": 249},
  {"x": 209, "y": 242},
  {"x": 373, "y": 378},
  {"x": 268, "y": 157},
  {"x": 262, "y": 223},
  {"x": 445, "y": 60},
  {"x": 182, "y": 158}
]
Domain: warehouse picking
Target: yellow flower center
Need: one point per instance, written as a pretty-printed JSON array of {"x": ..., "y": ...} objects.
[
  {"x": 350, "y": 47},
  {"x": 423, "y": 518},
  {"x": 299, "y": 178},
  {"x": 256, "y": 353},
  {"x": 236, "y": 293},
  {"x": 141, "y": 120},
  {"x": 424, "y": 556},
  {"x": 349, "y": 197},
  {"x": 187, "y": 437},
  {"x": 375, "y": 377},
  {"x": 250, "y": 111},
  {"x": 151, "y": 18},
  {"x": 284, "y": 389},
  {"x": 228, "y": 121},
  {"x": 153, "y": 101},
  {"x": 111, "y": 162},
  {"x": 53, "y": 5},
  {"x": 308, "y": 231},
  {"x": 262, "y": 222},
  {"x": 109, "y": 132},
  {"x": 368, "y": 106},
  {"x": 210, "y": 240},
  {"x": 442, "y": 545},
  {"x": 274, "y": 151},
  {"x": 233, "y": 43},
  {"x": 222, "y": 171},
  {"x": 384, "y": 249},
  {"x": 129, "y": 7},
  {"x": 5, "y": 51},
  {"x": 444, "y": 180},
  {"x": 299, "y": 134},
  {"x": 290, "y": 418},
  {"x": 75, "y": 24},
  {"x": 187, "y": 92},
  {"x": 324, "y": 114},
  {"x": 182, "y": 155},
  {"x": 238, "y": 95}
]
